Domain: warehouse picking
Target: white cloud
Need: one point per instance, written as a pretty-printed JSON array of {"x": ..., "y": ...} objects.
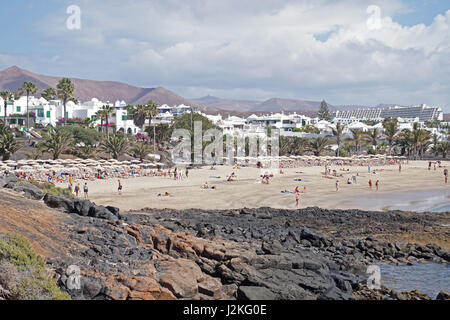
[{"x": 258, "y": 47}]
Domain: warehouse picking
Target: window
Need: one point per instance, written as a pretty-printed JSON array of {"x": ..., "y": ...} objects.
[
  {"x": 40, "y": 113},
  {"x": 18, "y": 109},
  {"x": 93, "y": 117},
  {"x": 48, "y": 114}
]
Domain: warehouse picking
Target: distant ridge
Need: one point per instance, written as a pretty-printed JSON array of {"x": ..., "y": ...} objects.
[{"x": 13, "y": 78}]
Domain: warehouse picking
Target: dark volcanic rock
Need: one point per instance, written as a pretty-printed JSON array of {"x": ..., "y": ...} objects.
[
  {"x": 255, "y": 293},
  {"x": 31, "y": 191},
  {"x": 56, "y": 202}
]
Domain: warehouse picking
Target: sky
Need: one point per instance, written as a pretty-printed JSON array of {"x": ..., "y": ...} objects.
[{"x": 354, "y": 52}]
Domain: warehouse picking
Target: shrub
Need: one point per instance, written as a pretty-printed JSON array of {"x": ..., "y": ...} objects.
[{"x": 22, "y": 272}]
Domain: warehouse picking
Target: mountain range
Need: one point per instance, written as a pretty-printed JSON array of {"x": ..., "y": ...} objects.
[{"x": 12, "y": 78}]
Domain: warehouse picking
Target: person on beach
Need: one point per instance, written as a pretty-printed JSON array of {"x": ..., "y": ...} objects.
[
  {"x": 377, "y": 183},
  {"x": 86, "y": 191},
  {"x": 119, "y": 188},
  {"x": 337, "y": 185},
  {"x": 399, "y": 168},
  {"x": 370, "y": 184},
  {"x": 446, "y": 175},
  {"x": 187, "y": 173},
  {"x": 297, "y": 198},
  {"x": 77, "y": 190},
  {"x": 429, "y": 165}
]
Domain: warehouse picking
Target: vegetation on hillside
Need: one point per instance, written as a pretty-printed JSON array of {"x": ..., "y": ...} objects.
[{"x": 22, "y": 272}]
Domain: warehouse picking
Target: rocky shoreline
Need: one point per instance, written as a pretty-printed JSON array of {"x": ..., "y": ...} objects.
[{"x": 242, "y": 254}]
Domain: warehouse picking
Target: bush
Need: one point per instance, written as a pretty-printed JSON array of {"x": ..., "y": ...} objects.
[
  {"x": 22, "y": 272},
  {"x": 49, "y": 187}
]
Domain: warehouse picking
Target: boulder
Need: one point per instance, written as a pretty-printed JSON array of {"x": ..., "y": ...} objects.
[
  {"x": 181, "y": 277},
  {"x": 443, "y": 295},
  {"x": 8, "y": 179},
  {"x": 255, "y": 293},
  {"x": 31, "y": 191},
  {"x": 82, "y": 207},
  {"x": 57, "y": 202},
  {"x": 101, "y": 213},
  {"x": 333, "y": 293}
]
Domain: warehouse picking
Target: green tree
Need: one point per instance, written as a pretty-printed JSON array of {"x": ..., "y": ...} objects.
[
  {"x": 338, "y": 133},
  {"x": 104, "y": 113},
  {"x": 56, "y": 142},
  {"x": 390, "y": 131},
  {"x": 372, "y": 136},
  {"x": 7, "y": 97},
  {"x": 140, "y": 150},
  {"x": 444, "y": 148},
  {"x": 28, "y": 88},
  {"x": 357, "y": 138},
  {"x": 116, "y": 146},
  {"x": 49, "y": 94},
  {"x": 65, "y": 91},
  {"x": 324, "y": 111},
  {"x": 8, "y": 145},
  {"x": 319, "y": 145},
  {"x": 161, "y": 132}
]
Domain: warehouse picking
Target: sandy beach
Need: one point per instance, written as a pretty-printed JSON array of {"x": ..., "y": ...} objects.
[{"x": 248, "y": 191}]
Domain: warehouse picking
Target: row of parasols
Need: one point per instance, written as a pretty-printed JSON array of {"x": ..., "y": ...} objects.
[{"x": 71, "y": 165}]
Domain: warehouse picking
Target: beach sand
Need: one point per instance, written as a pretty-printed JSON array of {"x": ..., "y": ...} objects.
[{"x": 248, "y": 191}]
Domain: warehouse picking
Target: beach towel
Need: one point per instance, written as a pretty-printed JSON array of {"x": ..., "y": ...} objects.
[{"x": 215, "y": 177}]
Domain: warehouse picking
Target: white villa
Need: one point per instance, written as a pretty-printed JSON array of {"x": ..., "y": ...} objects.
[{"x": 51, "y": 113}]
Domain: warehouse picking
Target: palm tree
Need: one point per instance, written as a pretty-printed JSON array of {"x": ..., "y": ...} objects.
[
  {"x": 49, "y": 94},
  {"x": 116, "y": 146},
  {"x": 7, "y": 96},
  {"x": 338, "y": 133},
  {"x": 56, "y": 142},
  {"x": 152, "y": 112},
  {"x": 141, "y": 113},
  {"x": 319, "y": 145},
  {"x": 104, "y": 113},
  {"x": 28, "y": 88},
  {"x": 404, "y": 141},
  {"x": 420, "y": 139},
  {"x": 357, "y": 138},
  {"x": 141, "y": 150},
  {"x": 8, "y": 145},
  {"x": 390, "y": 131},
  {"x": 65, "y": 91},
  {"x": 444, "y": 147},
  {"x": 372, "y": 136}
]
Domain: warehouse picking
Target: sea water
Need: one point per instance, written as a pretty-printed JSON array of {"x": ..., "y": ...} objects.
[
  {"x": 418, "y": 201},
  {"x": 429, "y": 278}
]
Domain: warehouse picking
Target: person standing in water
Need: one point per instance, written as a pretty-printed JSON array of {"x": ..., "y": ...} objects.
[
  {"x": 446, "y": 175},
  {"x": 377, "y": 183}
]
